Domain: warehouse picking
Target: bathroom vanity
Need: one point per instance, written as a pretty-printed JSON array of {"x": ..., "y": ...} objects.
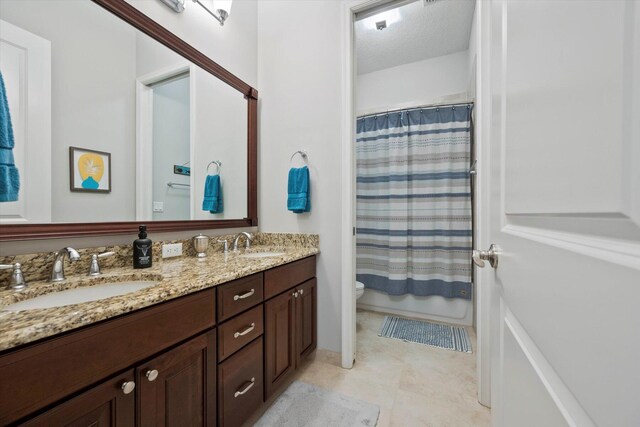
[{"x": 211, "y": 353}]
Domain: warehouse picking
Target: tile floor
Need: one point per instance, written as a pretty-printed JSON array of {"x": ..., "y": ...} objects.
[{"x": 414, "y": 385}]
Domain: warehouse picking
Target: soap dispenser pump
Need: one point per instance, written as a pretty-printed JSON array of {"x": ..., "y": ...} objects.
[{"x": 142, "y": 253}]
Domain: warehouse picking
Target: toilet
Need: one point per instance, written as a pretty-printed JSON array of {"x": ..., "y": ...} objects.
[{"x": 359, "y": 289}]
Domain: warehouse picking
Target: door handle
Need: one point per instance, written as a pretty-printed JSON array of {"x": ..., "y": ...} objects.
[{"x": 479, "y": 257}]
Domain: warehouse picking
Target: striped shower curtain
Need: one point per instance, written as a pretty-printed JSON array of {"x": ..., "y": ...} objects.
[{"x": 414, "y": 202}]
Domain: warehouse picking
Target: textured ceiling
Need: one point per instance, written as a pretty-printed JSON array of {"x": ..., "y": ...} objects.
[{"x": 424, "y": 30}]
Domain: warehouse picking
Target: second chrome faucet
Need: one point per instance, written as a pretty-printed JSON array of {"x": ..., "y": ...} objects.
[{"x": 57, "y": 270}]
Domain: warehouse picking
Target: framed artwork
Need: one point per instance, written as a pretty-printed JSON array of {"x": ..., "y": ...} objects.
[{"x": 89, "y": 170}]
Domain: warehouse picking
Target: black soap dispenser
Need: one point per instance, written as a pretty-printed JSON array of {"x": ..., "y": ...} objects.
[{"x": 142, "y": 253}]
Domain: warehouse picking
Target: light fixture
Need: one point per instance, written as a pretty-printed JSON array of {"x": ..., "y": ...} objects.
[
  {"x": 176, "y": 5},
  {"x": 221, "y": 8},
  {"x": 382, "y": 20}
]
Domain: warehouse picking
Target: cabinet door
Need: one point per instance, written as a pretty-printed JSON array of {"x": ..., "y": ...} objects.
[
  {"x": 104, "y": 405},
  {"x": 306, "y": 319},
  {"x": 178, "y": 387},
  {"x": 279, "y": 341}
]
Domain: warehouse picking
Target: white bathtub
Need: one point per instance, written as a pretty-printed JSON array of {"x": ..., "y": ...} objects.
[{"x": 450, "y": 310}]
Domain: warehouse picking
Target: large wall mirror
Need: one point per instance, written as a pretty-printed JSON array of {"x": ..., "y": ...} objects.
[{"x": 117, "y": 121}]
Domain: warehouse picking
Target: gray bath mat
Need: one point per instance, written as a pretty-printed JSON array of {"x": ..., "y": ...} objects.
[
  {"x": 306, "y": 405},
  {"x": 433, "y": 334}
]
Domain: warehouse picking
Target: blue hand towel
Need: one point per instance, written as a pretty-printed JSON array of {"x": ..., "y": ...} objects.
[
  {"x": 299, "y": 197},
  {"x": 9, "y": 177},
  {"x": 212, "y": 200}
]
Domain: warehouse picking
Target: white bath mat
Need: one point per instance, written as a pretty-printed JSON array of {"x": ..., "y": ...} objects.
[{"x": 433, "y": 334}]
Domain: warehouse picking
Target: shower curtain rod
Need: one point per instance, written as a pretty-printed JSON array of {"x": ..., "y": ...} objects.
[{"x": 415, "y": 108}]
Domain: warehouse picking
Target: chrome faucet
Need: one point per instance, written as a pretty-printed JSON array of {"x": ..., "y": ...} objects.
[
  {"x": 57, "y": 270},
  {"x": 249, "y": 239}
]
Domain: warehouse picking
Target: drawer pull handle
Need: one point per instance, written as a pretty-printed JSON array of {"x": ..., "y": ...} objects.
[
  {"x": 246, "y": 331},
  {"x": 245, "y": 295},
  {"x": 246, "y": 388}
]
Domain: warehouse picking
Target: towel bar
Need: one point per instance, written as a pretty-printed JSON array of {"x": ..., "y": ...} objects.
[{"x": 177, "y": 184}]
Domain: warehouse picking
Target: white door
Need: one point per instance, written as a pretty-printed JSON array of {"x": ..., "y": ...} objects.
[
  {"x": 564, "y": 183},
  {"x": 25, "y": 62}
]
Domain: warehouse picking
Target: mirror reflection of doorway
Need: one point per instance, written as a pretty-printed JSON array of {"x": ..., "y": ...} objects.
[{"x": 171, "y": 152}]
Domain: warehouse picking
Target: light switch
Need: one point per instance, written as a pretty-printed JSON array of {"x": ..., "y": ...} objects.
[{"x": 158, "y": 207}]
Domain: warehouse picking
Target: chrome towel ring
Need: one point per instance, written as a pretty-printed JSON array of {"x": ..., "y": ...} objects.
[
  {"x": 218, "y": 163},
  {"x": 302, "y": 153}
]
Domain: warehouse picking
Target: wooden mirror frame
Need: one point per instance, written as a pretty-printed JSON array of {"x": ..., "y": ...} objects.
[{"x": 140, "y": 21}]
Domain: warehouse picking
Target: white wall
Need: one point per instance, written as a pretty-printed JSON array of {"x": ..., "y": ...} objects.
[
  {"x": 299, "y": 81},
  {"x": 221, "y": 134},
  {"x": 417, "y": 83},
  {"x": 81, "y": 55},
  {"x": 233, "y": 46},
  {"x": 441, "y": 79},
  {"x": 219, "y": 131}
]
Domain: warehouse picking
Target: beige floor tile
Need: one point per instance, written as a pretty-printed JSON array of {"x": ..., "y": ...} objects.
[
  {"x": 413, "y": 384},
  {"x": 412, "y": 409}
]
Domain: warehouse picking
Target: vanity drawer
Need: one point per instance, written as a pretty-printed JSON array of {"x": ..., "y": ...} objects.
[
  {"x": 239, "y": 295},
  {"x": 237, "y": 332},
  {"x": 279, "y": 279},
  {"x": 240, "y": 385}
]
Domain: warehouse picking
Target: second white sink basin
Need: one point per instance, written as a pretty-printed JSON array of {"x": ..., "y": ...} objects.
[
  {"x": 80, "y": 295},
  {"x": 261, "y": 254}
]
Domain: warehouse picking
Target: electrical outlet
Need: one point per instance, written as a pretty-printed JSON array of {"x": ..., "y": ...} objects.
[
  {"x": 171, "y": 250},
  {"x": 158, "y": 207}
]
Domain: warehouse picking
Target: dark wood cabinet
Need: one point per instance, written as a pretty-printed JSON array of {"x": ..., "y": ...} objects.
[
  {"x": 306, "y": 319},
  {"x": 240, "y": 385},
  {"x": 85, "y": 357},
  {"x": 104, "y": 405},
  {"x": 178, "y": 387},
  {"x": 179, "y": 366},
  {"x": 290, "y": 331},
  {"x": 280, "y": 353}
]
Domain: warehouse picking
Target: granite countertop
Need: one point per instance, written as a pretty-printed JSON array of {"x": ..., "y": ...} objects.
[{"x": 176, "y": 278}]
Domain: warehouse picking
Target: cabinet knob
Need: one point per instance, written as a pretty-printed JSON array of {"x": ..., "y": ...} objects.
[
  {"x": 128, "y": 386},
  {"x": 151, "y": 374},
  {"x": 295, "y": 294},
  {"x": 301, "y": 291}
]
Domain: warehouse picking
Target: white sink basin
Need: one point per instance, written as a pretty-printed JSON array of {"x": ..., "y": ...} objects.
[
  {"x": 261, "y": 254},
  {"x": 80, "y": 295}
]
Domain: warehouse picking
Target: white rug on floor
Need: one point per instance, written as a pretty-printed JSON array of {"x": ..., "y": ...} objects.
[{"x": 306, "y": 405}]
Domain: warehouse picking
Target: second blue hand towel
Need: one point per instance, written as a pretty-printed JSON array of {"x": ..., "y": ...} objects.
[
  {"x": 212, "y": 200},
  {"x": 299, "y": 190}
]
